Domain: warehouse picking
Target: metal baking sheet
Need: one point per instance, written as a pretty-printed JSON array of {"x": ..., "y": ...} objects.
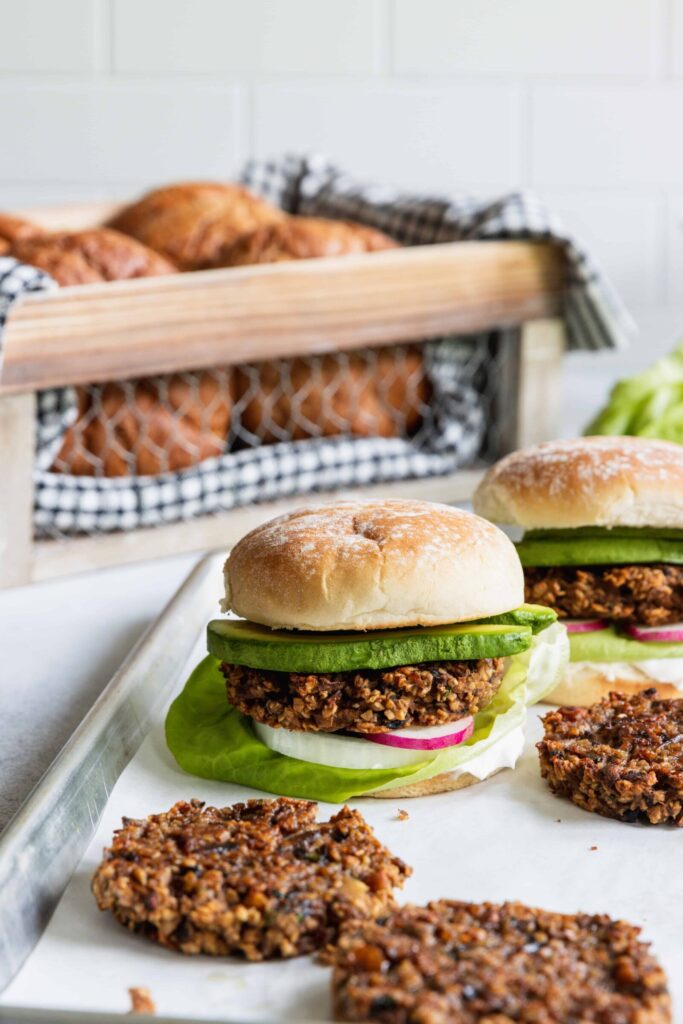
[{"x": 507, "y": 838}]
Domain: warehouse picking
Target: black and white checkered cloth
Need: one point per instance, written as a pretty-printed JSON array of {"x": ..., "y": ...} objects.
[{"x": 595, "y": 319}]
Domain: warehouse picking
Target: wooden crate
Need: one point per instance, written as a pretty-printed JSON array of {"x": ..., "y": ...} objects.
[{"x": 125, "y": 329}]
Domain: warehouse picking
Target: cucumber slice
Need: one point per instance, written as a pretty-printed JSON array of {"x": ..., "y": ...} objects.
[{"x": 246, "y": 643}]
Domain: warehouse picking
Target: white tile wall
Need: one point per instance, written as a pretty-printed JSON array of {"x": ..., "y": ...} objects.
[
  {"x": 398, "y": 133},
  {"x": 38, "y": 36},
  {"x": 109, "y": 131},
  {"x": 527, "y": 37},
  {"x": 245, "y": 37},
  {"x": 607, "y": 137},
  {"x": 674, "y": 248},
  {"x": 581, "y": 100},
  {"x": 622, "y": 231}
]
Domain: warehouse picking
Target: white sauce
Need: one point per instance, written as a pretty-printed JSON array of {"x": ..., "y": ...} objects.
[{"x": 662, "y": 670}]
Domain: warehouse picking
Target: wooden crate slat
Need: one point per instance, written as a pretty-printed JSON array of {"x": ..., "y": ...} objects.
[{"x": 122, "y": 329}]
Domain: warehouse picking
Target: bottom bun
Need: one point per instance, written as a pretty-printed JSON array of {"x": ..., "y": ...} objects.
[
  {"x": 447, "y": 782},
  {"x": 585, "y": 683}
]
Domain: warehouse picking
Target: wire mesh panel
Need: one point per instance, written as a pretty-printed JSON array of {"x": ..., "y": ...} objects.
[
  {"x": 161, "y": 424},
  {"x": 141, "y": 452},
  {"x": 149, "y": 426}
]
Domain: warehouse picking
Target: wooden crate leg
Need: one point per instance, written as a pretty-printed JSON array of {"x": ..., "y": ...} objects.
[
  {"x": 539, "y": 396},
  {"x": 17, "y": 440}
]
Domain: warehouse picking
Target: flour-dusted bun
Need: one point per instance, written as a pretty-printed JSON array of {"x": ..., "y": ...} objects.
[
  {"x": 585, "y": 683},
  {"x": 589, "y": 481},
  {"x": 372, "y": 565}
]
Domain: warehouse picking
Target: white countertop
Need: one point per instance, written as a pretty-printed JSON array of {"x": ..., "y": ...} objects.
[{"x": 61, "y": 643}]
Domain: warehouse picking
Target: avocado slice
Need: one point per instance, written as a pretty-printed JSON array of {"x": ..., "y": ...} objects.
[
  {"x": 246, "y": 643},
  {"x": 536, "y": 616},
  {"x": 597, "y": 546},
  {"x": 624, "y": 532}
]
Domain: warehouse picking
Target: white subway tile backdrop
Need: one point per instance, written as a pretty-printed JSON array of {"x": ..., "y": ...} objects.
[{"x": 580, "y": 100}]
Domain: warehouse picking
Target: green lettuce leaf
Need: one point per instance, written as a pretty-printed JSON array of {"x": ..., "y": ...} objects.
[
  {"x": 547, "y": 662},
  {"x": 649, "y": 404},
  {"x": 610, "y": 645},
  {"x": 210, "y": 738}
]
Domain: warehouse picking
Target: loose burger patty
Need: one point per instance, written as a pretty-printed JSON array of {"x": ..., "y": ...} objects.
[
  {"x": 622, "y": 757},
  {"x": 368, "y": 700},
  {"x": 262, "y": 879},
  {"x": 647, "y": 594},
  {"x": 471, "y": 963}
]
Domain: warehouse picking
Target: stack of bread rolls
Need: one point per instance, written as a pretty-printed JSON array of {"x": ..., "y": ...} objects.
[{"x": 149, "y": 426}]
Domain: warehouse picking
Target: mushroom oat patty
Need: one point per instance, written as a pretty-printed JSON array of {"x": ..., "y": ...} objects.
[
  {"x": 622, "y": 757},
  {"x": 647, "y": 594},
  {"x": 261, "y": 879},
  {"x": 470, "y": 963},
  {"x": 369, "y": 700}
]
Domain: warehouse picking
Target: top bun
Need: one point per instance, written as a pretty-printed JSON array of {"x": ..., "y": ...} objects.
[
  {"x": 590, "y": 481},
  {"x": 372, "y": 565}
]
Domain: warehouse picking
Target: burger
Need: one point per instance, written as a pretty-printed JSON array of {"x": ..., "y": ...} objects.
[
  {"x": 603, "y": 547},
  {"x": 373, "y": 648}
]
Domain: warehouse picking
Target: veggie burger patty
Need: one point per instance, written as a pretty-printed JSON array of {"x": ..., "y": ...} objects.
[
  {"x": 470, "y": 963},
  {"x": 368, "y": 700},
  {"x": 648, "y": 594},
  {"x": 262, "y": 879},
  {"x": 622, "y": 757}
]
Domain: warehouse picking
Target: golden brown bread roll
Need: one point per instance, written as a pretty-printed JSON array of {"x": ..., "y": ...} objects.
[
  {"x": 14, "y": 229},
  {"x": 302, "y": 238},
  {"x": 190, "y": 223},
  {"x": 323, "y": 398},
  {"x": 84, "y": 257},
  {"x": 148, "y": 426}
]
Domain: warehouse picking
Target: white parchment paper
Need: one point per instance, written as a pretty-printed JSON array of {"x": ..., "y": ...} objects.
[{"x": 507, "y": 838}]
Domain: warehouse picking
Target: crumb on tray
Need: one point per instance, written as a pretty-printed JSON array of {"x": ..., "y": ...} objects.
[{"x": 141, "y": 1001}]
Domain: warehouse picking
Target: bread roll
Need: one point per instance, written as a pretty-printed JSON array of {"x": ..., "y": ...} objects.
[
  {"x": 150, "y": 426},
  {"x": 191, "y": 223},
  {"x": 301, "y": 238},
  {"x": 14, "y": 229},
  {"x": 86, "y": 257},
  {"x": 331, "y": 395}
]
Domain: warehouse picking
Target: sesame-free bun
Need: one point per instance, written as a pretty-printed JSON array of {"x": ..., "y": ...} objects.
[
  {"x": 447, "y": 782},
  {"x": 585, "y": 683},
  {"x": 372, "y": 565},
  {"x": 589, "y": 481}
]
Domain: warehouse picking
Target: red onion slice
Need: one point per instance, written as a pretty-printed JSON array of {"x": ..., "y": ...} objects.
[
  {"x": 584, "y": 625},
  {"x": 434, "y": 737},
  {"x": 672, "y": 634}
]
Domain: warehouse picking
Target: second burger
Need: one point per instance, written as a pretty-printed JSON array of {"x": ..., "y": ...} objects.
[{"x": 603, "y": 547}]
